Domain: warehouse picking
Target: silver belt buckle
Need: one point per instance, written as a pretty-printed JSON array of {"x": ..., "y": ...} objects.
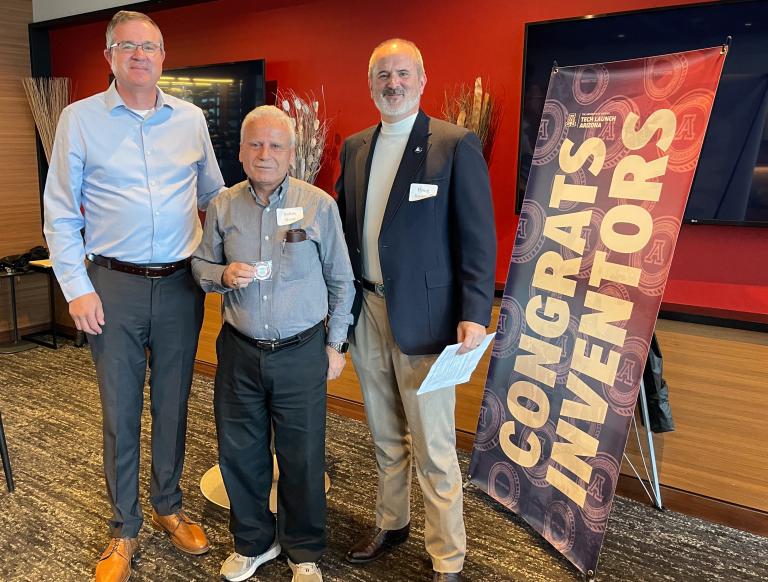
[
  {"x": 379, "y": 289},
  {"x": 268, "y": 344}
]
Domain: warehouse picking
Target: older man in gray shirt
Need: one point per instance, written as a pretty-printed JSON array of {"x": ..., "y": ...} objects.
[{"x": 274, "y": 248}]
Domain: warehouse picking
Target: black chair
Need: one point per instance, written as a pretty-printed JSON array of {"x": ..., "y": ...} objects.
[{"x": 6, "y": 459}]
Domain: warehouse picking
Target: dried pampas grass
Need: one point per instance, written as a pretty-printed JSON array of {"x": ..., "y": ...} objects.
[
  {"x": 47, "y": 97},
  {"x": 475, "y": 109},
  {"x": 311, "y": 132}
]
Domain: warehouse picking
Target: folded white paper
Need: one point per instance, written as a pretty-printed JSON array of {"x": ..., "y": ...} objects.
[{"x": 450, "y": 368}]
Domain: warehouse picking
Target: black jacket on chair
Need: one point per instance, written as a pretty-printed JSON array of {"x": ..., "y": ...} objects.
[{"x": 657, "y": 390}]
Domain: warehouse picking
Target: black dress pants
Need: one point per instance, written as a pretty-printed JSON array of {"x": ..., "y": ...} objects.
[
  {"x": 256, "y": 389},
  {"x": 163, "y": 316}
]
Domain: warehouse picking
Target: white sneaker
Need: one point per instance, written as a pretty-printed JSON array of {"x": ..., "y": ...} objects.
[
  {"x": 305, "y": 572},
  {"x": 236, "y": 567}
]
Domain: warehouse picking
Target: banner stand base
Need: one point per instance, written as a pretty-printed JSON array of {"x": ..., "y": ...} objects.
[{"x": 653, "y": 473}]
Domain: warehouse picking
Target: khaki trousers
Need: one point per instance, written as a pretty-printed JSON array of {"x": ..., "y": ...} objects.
[{"x": 405, "y": 427}]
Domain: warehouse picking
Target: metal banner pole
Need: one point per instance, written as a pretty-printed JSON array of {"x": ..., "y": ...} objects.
[{"x": 654, "y": 477}]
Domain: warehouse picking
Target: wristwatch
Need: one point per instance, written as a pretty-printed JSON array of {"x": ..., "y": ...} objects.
[{"x": 340, "y": 347}]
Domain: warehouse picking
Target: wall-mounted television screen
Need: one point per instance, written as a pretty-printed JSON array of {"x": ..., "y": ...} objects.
[
  {"x": 226, "y": 93},
  {"x": 731, "y": 182}
]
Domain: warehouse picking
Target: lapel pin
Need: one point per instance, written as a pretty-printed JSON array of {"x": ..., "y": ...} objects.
[{"x": 418, "y": 149}]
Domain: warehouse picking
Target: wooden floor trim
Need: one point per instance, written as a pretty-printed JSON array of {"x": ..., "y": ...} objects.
[
  {"x": 729, "y": 514},
  {"x": 345, "y": 407},
  {"x": 205, "y": 368},
  {"x": 6, "y": 335},
  {"x": 714, "y": 510}
]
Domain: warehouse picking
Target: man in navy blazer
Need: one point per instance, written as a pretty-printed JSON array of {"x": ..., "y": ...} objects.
[{"x": 415, "y": 200}]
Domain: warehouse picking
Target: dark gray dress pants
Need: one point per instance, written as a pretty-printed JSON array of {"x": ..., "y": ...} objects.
[
  {"x": 162, "y": 316},
  {"x": 255, "y": 389}
]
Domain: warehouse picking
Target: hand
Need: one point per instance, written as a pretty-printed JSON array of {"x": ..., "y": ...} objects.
[
  {"x": 336, "y": 362},
  {"x": 470, "y": 335},
  {"x": 238, "y": 275},
  {"x": 88, "y": 313}
]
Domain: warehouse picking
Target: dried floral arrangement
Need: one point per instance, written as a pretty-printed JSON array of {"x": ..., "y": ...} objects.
[
  {"x": 311, "y": 132},
  {"x": 475, "y": 109},
  {"x": 47, "y": 97}
]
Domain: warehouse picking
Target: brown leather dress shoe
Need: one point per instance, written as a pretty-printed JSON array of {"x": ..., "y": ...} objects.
[
  {"x": 380, "y": 542},
  {"x": 184, "y": 533},
  {"x": 115, "y": 563},
  {"x": 447, "y": 577}
]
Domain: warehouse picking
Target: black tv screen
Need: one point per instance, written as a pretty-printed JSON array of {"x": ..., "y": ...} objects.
[
  {"x": 226, "y": 93},
  {"x": 731, "y": 182}
]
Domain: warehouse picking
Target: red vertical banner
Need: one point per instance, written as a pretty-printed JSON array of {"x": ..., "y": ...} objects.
[{"x": 616, "y": 153}]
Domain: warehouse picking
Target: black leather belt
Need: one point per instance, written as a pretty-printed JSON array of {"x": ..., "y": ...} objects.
[
  {"x": 278, "y": 344},
  {"x": 377, "y": 288},
  {"x": 153, "y": 271}
]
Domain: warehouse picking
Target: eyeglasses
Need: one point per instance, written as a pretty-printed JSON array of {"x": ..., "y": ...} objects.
[{"x": 127, "y": 47}]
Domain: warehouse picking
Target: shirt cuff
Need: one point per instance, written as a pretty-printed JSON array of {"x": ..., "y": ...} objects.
[
  {"x": 210, "y": 281},
  {"x": 337, "y": 332},
  {"x": 76, "y": 288},
  {"x": 214, "y": 287}
]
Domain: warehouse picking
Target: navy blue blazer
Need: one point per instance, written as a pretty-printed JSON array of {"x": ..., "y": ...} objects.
[{"x": 438, "y": 254}]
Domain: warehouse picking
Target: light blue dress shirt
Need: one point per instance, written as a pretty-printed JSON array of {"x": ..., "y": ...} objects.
[{"x": 139, "y": 181}]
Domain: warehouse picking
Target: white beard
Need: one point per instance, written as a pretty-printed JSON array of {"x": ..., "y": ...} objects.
[{"x": 407, "y": 104}]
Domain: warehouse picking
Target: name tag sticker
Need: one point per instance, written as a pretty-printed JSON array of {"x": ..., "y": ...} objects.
[
  {"x": 422, "y": 191},
  {"x": 289, "y": 215}
]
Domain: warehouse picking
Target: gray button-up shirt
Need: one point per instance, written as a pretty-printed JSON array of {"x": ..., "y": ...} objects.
[{"x": 310, "y": 280}]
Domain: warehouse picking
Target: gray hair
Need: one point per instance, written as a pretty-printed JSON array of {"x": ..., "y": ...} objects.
[
  {"x": 269, "y": 112},
  {"x": 399, "y": 42},
  {"x": 127, "y": 16}
]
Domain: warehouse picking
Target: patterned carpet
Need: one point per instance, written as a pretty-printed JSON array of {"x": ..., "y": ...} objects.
[{"x": 54, "y": 526}]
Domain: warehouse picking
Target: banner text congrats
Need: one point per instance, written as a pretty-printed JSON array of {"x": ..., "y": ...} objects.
[{"x": 625, "y": 229}]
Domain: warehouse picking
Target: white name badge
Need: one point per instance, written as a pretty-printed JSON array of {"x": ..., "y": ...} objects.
[
  {"x": 289, "y": 215},
  {"x": 422, "y": 191}
]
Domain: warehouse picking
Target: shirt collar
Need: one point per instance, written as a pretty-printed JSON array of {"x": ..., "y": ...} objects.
[
  {"x": 114, "y": 100},
  {"x": 276, "y": 195}
]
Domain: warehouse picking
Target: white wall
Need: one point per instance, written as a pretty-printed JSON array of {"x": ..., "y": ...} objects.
[{"x": 50, "y": 9}]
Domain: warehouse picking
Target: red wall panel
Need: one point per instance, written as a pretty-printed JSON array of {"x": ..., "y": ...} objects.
[{"x": 323, "y": 47}]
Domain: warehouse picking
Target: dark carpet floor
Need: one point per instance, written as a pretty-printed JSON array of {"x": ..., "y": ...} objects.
[{"x": 54, "y": 526}]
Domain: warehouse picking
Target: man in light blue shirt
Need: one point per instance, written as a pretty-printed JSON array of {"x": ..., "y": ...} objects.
[{"x": 131, "y": 166}]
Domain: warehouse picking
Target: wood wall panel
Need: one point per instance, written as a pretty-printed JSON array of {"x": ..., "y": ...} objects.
[
  {"x": 718, "y": 381},
  {"x": 32, "y": 308},
  {"x": 206, "y": 348},
  {"x": 719, "y": 393},
  {"x": 20, "y": 226}
]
